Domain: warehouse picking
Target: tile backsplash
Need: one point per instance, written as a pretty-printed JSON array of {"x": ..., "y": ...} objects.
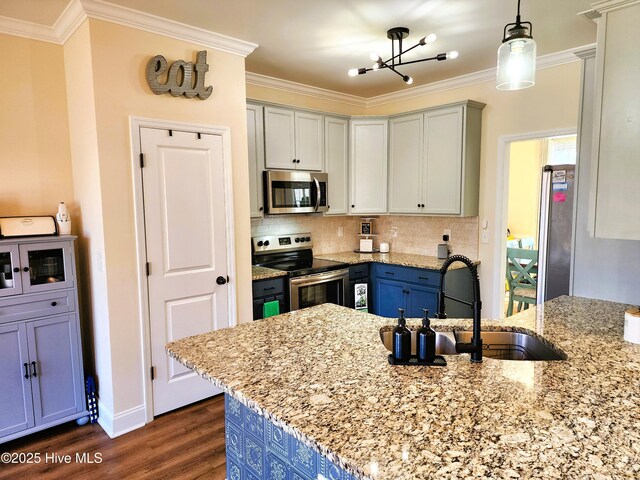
[{"x": 416, "y": 234}]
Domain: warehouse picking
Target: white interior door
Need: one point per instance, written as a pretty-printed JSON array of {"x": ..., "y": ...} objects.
[{"x": 184, "y": 205}]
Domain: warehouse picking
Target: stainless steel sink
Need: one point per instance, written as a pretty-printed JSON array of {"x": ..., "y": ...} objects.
[
  {"x": 445, "y": 341},
  {"x": 512, "y": 346}
]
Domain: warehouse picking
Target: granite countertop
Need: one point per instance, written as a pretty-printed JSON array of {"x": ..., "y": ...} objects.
[
  {"x": 322, "y": 374},
  {"x": 261, "y": 273},
  {"x": 404, "y": 259}
]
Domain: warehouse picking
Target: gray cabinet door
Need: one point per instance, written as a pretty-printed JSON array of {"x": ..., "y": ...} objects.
[
  {"x": 56, "y": 376},
  {"x": 10, "y": 280},
  {"x": 49, "y": 266},
  {"x": 16, "y": 409}
]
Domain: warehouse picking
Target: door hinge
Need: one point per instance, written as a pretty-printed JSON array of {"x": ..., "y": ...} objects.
[
  {"x": 148, "y": 267},
  {"x": 141, "y": 160},
  {"x": 153, "y": 372}
]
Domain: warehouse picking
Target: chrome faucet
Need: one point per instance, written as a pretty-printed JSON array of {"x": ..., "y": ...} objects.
[{"x": 475, "y": 347}]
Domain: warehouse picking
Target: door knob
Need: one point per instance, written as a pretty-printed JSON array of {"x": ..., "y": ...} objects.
[{"x": 221, "y": 280}]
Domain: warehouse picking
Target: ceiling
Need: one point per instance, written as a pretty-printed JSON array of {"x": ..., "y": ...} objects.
[{"x": 317, "y": 42}]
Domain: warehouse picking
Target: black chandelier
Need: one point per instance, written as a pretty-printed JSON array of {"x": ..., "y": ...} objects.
[{"x": 397, "y": 34}]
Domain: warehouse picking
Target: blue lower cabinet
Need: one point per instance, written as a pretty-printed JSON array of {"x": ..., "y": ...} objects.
[
  {"x": 419, "y": 298},
  {"x": 258, "y": 449}
]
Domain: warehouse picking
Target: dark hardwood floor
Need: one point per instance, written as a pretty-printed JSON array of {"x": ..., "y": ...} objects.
[{"x": 184, "y": 444}]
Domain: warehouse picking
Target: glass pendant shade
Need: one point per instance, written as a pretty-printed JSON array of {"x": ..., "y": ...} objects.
[{"x": 516, "y": 64}]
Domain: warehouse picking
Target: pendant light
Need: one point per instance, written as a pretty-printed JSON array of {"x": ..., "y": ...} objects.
[{"x": 517, "y": 56}]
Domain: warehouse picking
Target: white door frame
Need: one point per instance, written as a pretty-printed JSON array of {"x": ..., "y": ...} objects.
[
  {"x": 502, "y": 209},
  {"x": 135, "y": 124}
]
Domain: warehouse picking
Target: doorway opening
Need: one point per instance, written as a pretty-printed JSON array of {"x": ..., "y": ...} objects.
[{"x": 528, "y": 210}]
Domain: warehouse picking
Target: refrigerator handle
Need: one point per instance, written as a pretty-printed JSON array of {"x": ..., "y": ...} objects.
[{"x": 543, "y": 232}]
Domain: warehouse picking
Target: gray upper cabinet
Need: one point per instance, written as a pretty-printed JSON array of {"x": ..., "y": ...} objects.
[
  {"x": 41, "y": 362},
  {"x": 368, "y": 166},
  {"x": 406, "y": 164},
  {"x": 255, "y": 135},
  {"x": 293, "y": 139},
  {"x": 615, "y": 170},
  {"x": 336, "y": 161},
  {"x": 434, "y": 164}
]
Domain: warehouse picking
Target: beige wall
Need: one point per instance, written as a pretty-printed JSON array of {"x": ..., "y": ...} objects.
[
  {"x": 114, "y": 66},
  {"x": 525, "y": 172},
  {"x": 551, "y": 104},
  {"x": 35, "y": 160}
]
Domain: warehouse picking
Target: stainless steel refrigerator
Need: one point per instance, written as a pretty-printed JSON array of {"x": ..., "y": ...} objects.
[{"x": 555, "y": 231}]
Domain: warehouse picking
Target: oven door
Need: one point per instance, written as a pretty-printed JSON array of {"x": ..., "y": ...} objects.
[
  {"x": 326, "y": 287},
  {"x": 295, "y": 192}
]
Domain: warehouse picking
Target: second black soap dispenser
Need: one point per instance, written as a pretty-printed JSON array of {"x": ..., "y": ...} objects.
[
  {"x": 401, "y": 340},
  {"x": 426, "y": 340}
]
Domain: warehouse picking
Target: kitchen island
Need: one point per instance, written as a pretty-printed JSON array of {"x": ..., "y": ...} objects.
[{"x": 321, "y": 376}]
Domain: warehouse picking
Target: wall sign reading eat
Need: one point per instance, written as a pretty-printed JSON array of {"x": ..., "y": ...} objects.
[{"x": 184, "y": 78}]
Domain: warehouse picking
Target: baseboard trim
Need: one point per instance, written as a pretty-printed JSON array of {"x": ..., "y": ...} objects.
[{"x": 120, "y": 423}]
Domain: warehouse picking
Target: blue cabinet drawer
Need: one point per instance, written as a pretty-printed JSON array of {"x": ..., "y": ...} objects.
[
  {"x": 420, "y": 276},
  {"x": 268, "y": 288},
  {"x": 391, "y": 272}
]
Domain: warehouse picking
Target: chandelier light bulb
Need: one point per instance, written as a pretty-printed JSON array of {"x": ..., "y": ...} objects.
[
  {"x": 354, "y": 72},
  {"x": 374, "y": 56},
  {"x": 453, "y": 54},
  {"x": 376, "y": 66},
  {"x": 428, "y": 39},
  {"x": 408, "y": 80}
]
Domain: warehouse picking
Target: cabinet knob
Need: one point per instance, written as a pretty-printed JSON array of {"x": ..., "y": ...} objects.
[
  {"x": 422, "y": 205},
  {"x": 33, "y": 370},
  {"x": 26, "y": 370},
  {"x": 261, "y": 209},
  {"x": 294, "y": 160},
  {"x": 418, "y": 205},
  {"x": 353, "y": 206},
  {"x": 25, "y": 269},
  {"x": 53, "y": 304},
  {"x": 16, "y": 269}
]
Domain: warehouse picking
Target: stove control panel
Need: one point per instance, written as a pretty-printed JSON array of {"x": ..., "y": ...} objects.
[{"x": 280, "y": 243}]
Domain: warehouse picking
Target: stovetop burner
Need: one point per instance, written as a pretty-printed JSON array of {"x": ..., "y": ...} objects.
[{"x": 290, "y": 253}]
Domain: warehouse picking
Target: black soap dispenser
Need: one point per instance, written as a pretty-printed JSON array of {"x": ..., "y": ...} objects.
[
  {"x": 426, "y": 340},
  {"x": 401, "y": 340}
]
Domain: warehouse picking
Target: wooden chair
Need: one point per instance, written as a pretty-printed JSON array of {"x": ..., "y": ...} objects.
[{"x": 522, "y": 270}]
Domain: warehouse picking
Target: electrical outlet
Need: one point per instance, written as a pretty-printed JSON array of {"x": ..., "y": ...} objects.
[
  {"x": 394, "y": 232},
  {"x": 484, "y": 237},
  {"x": 340, "y": 231},
  {"x": 447, "y": 231}
]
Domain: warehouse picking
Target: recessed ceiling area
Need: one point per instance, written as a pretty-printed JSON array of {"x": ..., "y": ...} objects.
[{"x": 316, "y": 43}]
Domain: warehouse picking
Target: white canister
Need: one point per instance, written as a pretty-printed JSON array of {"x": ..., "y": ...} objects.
[
  {"x": 632, "y": 325},
  {"x": 64, "y": 220},
  {"x": 384, "y": 247}
]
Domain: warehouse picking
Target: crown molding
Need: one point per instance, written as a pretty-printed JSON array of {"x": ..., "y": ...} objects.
[
  {"x": 128, "y": 17},
  {"x": 77, "y": 11},
  {"x": 299, "y": 88},
  {"x": 69, "y": 21},
  {"x": 34, "y": 31},
  {"x": 607, "y": 5},
  {"x": 545, "y": 61}
]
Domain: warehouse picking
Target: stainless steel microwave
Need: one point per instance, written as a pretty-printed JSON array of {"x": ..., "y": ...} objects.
[{"x": 294, "y": 192}]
